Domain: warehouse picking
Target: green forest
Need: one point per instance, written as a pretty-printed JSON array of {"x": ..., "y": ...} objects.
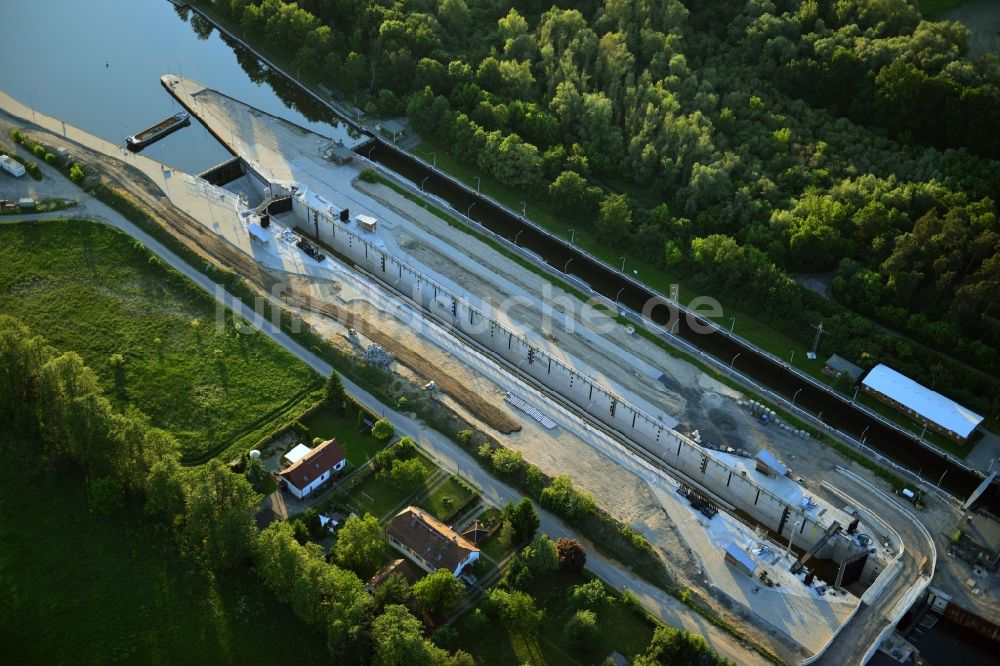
[{"x": 735, "y": 143}]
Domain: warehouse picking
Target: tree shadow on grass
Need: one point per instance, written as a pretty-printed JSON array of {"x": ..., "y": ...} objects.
[{"x": 526, "y": 648}]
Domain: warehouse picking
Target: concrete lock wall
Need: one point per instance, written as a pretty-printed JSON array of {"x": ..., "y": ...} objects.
[{"x": 673, "y": 449}]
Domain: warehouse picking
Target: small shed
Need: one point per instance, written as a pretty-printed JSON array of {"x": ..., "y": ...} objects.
[
  {"x": 296, "y": 454},
  {"x": 768, "y": 464},
  {"x": 337, "y": 152},
  {"x": 836, "y": 366},
  {"x": 366, "y": 222},
  {"x": 393, "y": 128},
  {"x": 740, "y": 559},
  {"x": 26, "y": 203}
]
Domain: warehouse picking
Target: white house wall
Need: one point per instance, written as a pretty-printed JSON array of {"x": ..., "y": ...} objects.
[
  {"x": 320, "y": 480},
  {"x": 674, "y": 450}
]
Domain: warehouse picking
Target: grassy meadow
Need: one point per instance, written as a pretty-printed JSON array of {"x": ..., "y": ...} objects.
[
  {"x": 82, "y": 587},
  {"x": 150, "y": 334}
]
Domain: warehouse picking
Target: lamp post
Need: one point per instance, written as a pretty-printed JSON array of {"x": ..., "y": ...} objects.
[
  {"x": 864, "y": 433},
  {"x": 618, "y": 295},
  {"x": 434, "y": 159},
  {"x": 422, "y": 183},
  {"x": 469, "y": 209},
  {"x": 566, "y": 267},
  {"x": 623, "y": 264},
  {"x": 732, "y": 325},
  {"x": 517, "y": 234},
  {"x": 524, "y": 209},
  {"x": 856, "y": 389},
  {"x": 675, "y": 326},
  {"x": 795, "y": 396},
  {"x": 942, "y": 478},
  {"x": 477, "y": 184},
  {"x": 791, "y": 361},
  {"x": 734, "y": 360},
  {"x": 572, "y": 235}
]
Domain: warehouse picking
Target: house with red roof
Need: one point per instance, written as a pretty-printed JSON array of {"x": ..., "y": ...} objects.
[
  {"x": 314, "y": 469},
  {"x": 431, "y": 544}
]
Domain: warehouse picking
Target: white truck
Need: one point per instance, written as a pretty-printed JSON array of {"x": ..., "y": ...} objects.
[{"x": 11, "y": 166}]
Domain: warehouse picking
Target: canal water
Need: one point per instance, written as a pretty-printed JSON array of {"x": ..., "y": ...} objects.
[{"x": 97, "y": 65}]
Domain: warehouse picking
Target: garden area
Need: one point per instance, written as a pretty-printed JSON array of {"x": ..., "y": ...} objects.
[
  {"x": 328, "y": 422},
  {"x": 493, "y": 642},
  {"x": 398, "y": 476},
  {"x": 150, "y": 334},
  {"x": 449, "y": 499},
  {"x": 128, "y": 595}
]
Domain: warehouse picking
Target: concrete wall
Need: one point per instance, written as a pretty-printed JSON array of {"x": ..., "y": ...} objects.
[{"x": 669, "y": 447}]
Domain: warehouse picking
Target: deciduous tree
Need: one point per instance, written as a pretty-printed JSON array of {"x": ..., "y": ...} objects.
[
  {"x": 361, "y": 544},
  {"x": 523, "y": 519},
  {"x": 438, "y": 592}
]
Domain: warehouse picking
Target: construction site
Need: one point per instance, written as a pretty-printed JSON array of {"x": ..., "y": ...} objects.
[
  {"x": 750, "y": 512},
  {"x": 454, "y": 311}
]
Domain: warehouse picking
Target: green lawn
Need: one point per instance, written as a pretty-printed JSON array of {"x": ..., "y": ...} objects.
[
  {"x": 499, "y": 545},
  {"x": 90, "y": 289},
  {"x": 447, "y": 497},
  {"x": 625, "y": 630},
  {"x": 79, "y": 587},
  {"x": 379, "y": 497},
  {"x": 326, "y": 422}
]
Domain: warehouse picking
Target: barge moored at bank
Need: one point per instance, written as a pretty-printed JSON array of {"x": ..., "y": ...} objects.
[{"x": 161, "y": 129}]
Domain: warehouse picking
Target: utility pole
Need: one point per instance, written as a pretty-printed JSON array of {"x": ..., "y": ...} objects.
[{"x": 819, "y": 331}]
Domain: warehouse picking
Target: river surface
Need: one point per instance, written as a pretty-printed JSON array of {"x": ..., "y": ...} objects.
[{"x": 97, "y": 65}]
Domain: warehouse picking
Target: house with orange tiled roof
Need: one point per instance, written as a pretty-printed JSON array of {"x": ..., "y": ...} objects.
[{"x": 431, "y": 544}]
